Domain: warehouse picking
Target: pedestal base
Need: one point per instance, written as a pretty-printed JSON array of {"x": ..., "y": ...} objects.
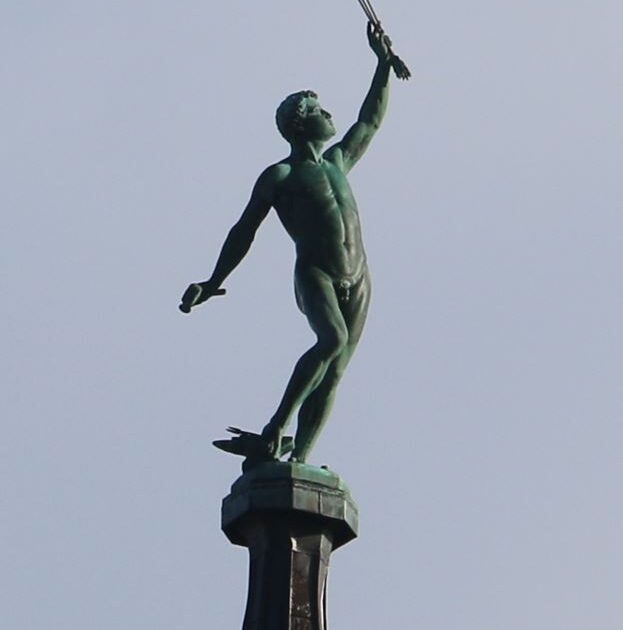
[{"x": 291, "y": 517}]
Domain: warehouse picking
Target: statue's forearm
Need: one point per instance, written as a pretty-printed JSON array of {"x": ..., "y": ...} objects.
[
  {"x": 375, "y": 104},
  {"x": 234, "y": 249}
]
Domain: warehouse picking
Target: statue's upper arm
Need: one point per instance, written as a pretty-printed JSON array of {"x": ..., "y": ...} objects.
[
  {"x": 262, "y": 199},
  {"x": 347, "y": 152}
]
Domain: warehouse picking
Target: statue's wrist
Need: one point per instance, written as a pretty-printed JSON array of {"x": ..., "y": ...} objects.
[
  {"x": 384, "y": 66},
  {"x": 212, "y": 284}
]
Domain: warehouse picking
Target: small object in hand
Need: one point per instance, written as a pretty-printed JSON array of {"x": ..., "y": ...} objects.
[
  {"x": 193, "y": 294},
  {"x": 398, "y": 65},
  {"x": 190, "y": 297}
]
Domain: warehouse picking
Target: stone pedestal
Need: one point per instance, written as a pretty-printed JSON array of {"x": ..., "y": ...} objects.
[{"x": 290, "y": 517}]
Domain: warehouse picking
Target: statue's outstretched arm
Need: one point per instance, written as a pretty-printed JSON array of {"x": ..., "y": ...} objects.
[
  {"x": 236, "y": 246},
  {"x": 358, "y": 137}
]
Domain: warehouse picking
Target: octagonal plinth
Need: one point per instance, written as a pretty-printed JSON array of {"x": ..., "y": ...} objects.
[{"x": 291, "y": 517}]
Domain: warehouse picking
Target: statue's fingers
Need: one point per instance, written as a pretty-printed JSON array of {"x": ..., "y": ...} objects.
[
  {"x": 191, "y": 297},
  {"x": 193, "y": 291},
  {"x": 186, "y": 295}
]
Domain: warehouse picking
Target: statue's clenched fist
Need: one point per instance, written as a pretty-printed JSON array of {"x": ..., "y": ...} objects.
[{"x": 197, "y": 293}]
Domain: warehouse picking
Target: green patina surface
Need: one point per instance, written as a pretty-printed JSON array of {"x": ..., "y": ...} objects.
[
  {"x": 312, "y": 197},
  {"x": 277, "y": 471}
]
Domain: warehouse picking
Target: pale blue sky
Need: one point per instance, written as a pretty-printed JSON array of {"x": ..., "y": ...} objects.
[{"x": 479, "y": 425}]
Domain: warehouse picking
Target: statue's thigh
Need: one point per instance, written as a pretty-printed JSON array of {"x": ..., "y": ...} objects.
[
  {"x": 318, "y": 301},
  {"x": 355, "y": 310}
]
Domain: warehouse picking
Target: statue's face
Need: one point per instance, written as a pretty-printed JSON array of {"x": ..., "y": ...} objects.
[{"x": 318, "y": 124}]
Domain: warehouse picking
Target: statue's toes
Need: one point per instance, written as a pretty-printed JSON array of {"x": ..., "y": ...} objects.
[{"x": 273, "y": 448}]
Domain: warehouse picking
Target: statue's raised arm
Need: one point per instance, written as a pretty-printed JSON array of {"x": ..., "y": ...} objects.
[{"x": 357, "y": 139}]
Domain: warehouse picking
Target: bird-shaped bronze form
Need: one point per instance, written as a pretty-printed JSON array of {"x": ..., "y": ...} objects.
[{"x": 252, "y": 447}]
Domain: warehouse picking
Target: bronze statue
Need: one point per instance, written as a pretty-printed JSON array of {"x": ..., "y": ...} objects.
[{"x": 311, "y": 195}]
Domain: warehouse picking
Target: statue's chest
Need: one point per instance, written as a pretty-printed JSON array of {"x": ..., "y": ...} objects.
[{"x": 319, "y": 184}]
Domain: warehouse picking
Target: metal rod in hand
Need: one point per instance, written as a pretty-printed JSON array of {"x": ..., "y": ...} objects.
[
  {"x": 370, "y": 12},
  {"x": 398, "y": 65}
]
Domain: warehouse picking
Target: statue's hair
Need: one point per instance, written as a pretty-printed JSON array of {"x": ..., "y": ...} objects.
[{"x": 291, "y": 112}]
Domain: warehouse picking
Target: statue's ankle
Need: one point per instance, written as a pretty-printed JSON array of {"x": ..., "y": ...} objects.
[{"x": 271, "y": 431}]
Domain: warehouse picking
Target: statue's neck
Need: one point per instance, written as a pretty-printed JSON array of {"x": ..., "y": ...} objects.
[{"x": 309, "y": 150}]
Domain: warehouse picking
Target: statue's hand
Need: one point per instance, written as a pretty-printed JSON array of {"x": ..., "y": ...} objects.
[
  {"x": 197, "y": 293},
  {"x": 379, "y": 42}
]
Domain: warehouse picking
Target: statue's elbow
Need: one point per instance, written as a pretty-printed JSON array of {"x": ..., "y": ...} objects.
[{"x": 242, "y": 236}]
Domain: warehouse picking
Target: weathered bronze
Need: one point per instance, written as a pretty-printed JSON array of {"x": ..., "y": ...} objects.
[
  {"x": 399, "y": 66},
  {"x": 291, "y": 517},
  {"x": 252, "y": 446},
  {"x": 311, "y": 195}
]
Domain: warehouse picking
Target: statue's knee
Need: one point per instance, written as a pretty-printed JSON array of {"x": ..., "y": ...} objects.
[{"x": 332, "y": 344}]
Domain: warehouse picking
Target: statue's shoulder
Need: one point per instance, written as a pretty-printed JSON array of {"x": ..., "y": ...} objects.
[
  {"x": 335, "y": 155},
  {"x": 271, "y": 178},
  {"x": 277, "y": 173},
  {"x": 268, "y": 186}
]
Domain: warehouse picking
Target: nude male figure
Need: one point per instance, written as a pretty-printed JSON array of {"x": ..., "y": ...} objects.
[{"x": 315, "y": 204}]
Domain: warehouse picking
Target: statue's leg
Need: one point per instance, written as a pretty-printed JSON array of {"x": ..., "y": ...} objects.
[
  {"x": 317, "y": 406},
  {"x": 319, "y": 302}
]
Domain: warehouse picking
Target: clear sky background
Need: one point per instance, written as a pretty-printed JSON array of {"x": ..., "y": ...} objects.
[{"x": 479, "y": 425}]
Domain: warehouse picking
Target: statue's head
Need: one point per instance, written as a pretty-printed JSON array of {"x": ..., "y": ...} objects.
[{"x": 301, "y": 117}]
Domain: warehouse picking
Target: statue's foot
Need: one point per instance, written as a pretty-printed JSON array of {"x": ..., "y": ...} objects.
[
  {"x": 272, "y": 437},
  {"x": 273, "y": 448}
]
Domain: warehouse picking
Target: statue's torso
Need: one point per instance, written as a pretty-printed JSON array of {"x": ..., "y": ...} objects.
[{"x": 317, "y": 208}]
